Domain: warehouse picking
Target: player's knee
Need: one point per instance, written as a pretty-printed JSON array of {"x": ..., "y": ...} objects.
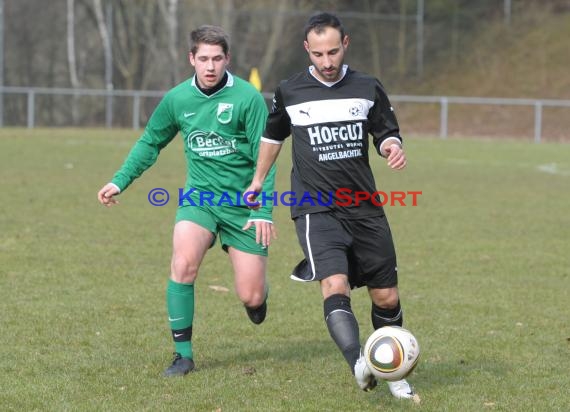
[
  {"x": 334, "y": 285},
  {"x": 385, "y": 298},
  {"x": 391, "y": 301},
  {"x": 182, "y": 270},
  {"x": 252, "y": 297}
]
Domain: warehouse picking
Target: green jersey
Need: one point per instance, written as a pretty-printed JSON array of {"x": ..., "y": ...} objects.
[{"x": 221, "y": 135}]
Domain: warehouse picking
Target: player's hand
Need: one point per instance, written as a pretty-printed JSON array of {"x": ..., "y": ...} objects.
[
  {"x": 106, "y": 194},
  {"x": 396, "y": 157},
  {"x": 251, "y": 198},
  {"x": 264, "y": 231}
]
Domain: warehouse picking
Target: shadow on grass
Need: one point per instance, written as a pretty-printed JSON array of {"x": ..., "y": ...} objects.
[{"x": 284, "y": 352}]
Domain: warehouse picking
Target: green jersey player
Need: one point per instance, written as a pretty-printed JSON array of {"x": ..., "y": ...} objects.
[{"x": 220, "y": 118}]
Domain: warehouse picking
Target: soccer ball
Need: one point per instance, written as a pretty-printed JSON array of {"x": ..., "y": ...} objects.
[{"x": 391, "y": 353}]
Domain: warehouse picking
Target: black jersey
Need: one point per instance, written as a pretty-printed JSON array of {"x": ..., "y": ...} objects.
[{"x": 330, "y": 127}]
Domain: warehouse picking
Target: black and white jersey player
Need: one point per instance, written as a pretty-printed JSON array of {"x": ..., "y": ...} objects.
[{"x": 330, "y": 111}]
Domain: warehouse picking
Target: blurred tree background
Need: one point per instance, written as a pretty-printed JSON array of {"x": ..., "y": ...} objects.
[{"x": 499, "y": 48}]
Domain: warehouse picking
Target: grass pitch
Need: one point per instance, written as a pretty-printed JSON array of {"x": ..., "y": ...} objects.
[{"x": 484, "y": 263}]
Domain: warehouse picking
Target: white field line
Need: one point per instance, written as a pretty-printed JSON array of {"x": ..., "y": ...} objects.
[{"x": 549, "y": 168}]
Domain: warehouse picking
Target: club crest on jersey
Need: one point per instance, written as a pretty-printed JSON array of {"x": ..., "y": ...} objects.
[
  {"x": 225, "y": 111},
  {"x": 356, "y": 110}
]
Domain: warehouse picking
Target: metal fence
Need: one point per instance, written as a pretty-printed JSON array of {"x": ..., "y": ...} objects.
[{"x": 443, "y": 102}]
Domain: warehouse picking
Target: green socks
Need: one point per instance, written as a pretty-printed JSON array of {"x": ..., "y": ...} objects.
[{"x": 180, "y": 305}]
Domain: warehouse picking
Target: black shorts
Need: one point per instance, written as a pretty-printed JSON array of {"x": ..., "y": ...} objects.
[{"x": 362, "y": 248}]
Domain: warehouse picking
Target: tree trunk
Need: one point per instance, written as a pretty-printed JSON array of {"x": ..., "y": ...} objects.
[
  {"x": 274, "y": 40},
  {"x": 402, "y": 39},
  {"x": 108, "y": 52},
  {"x": 169, "y": 13},
  {"x": 373, "y": 30},
  {"x": 72, "y": 63}
]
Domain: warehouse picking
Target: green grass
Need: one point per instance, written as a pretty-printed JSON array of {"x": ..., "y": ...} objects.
[{"x": 484, "y": 276}]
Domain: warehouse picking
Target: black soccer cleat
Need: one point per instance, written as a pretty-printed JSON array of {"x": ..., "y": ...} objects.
[
  {"x": 180, "y": 366},
  {"x": 257, "y": 315}
]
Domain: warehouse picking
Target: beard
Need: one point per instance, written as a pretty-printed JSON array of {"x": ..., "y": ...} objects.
[{"x": 329, "y": 73}]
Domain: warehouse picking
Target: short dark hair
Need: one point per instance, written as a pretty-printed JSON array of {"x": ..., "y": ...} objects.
[
  {"x": 209, "y": 35},
  {"x": 318, "y": 23}
]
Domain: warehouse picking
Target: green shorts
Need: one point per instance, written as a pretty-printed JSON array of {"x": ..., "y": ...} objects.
[{"x": 227, "y": 221}]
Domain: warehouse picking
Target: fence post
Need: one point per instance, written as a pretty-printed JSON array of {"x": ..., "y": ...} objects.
[
  {"x": 443, "y": 118},
  {"x": 537, "y": 121},
  {"x": 136, "y": 110},
  {"x": 31, "y": 108},
  {"x": 109, "y": 107}
]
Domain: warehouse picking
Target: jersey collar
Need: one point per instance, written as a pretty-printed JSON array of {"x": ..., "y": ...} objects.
[
  {"x": 329, "y": 84},
  {"x": 229, "y": 83}
]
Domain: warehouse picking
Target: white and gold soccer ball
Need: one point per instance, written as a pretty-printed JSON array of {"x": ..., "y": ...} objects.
[{"x": 391, "y": 353}]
